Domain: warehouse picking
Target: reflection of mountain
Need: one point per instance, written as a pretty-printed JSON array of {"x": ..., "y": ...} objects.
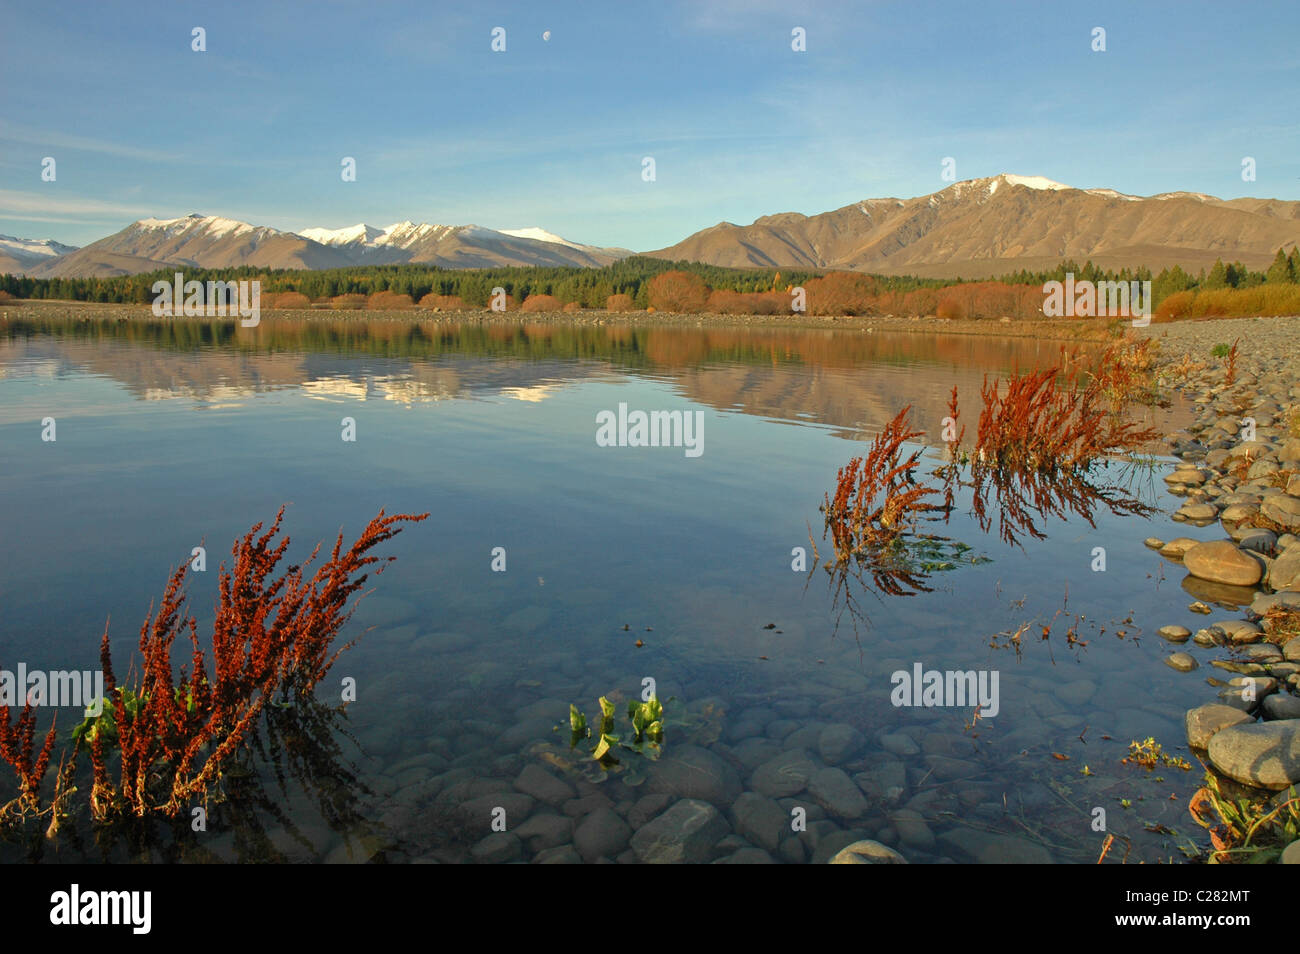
[{"x": 850, "y": 380}]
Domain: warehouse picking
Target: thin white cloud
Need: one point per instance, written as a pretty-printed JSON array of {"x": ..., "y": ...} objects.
[{"x": 53, "y": 140}]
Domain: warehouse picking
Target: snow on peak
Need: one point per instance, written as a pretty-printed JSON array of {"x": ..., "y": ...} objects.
[
  {"x": 35, "y": 248},
  {"x": 540, "y": 235},
  {"x": 1033, "y": 182},
  {"x": 397, "y": 235},
  {"x": 344, "y": 236},
  {"x": 212, "y": 225}
]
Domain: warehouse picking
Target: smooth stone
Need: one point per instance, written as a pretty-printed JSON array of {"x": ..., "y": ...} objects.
[
  {"x": 1204, "y": 721},
  {"x": 792, "y": 851},
  {"x": 647, "y": 807},
  {"x": 753, "y": 752},
  {"x": 1263, "y": 685},
  {"x": 1285, "y": 570},
  {"x": 1283, "y": 509},
  {"x": 546, "y": 831},
  {"x": 1221, "y": 562},
  {"x": 837, "y": 793},
  {"x": 498, "y": 848},
  {"x": 1263, "y": 542},
  {"x": 779, "y": 728},
  {"x": 1077, "y": 693},
  {"x": 1174, "y": 634},
  {"x": 1198, "y": 511},
  {"x": 602, "y": 834},
  {"x": 761, "y": 820},
  {"x": 897, "y": 743},
  {"x": 838, "y": 743},
  {"x": 1239, "y": 631},
  {"x": 988, "y": 848},
  {"x": 1178, "y": 546},
  {"x": 1291, "y": 854},
  {"x": 1265, "y": 754},
  {"x": 1278, "y": 706},
  {"x": 1232, "y": 697},
  {"x": 948, "y": 769},
  {"x": 1183, "y": 662},
  {"x": 543, "y": 786},
  {"x": 482, "y": 810},
  {"x": 886, "y": 781},
  {"x": 684, "y": 834},
  {"x": 785, "y": 775},
  {"x": 560, "y": 855},
  {"x": 1155, "y": 543},
  {"x": 912, "y": 829},
  {"x": 693, "y": 772},
  {"x": 867, "y": 852},
  {"x": 1236, "y": 513}
]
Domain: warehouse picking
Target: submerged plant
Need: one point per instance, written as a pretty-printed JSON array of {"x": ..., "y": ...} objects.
[{"x": 647, "y": 736}]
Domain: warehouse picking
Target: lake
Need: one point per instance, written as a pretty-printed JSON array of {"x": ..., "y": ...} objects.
[{"x": 554, "y": 570}]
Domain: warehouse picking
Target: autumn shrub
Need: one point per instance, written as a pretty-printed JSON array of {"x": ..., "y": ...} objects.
[
  {"x": 619, "y": 303},
  {"x": 841, "y": 293},
  {"x": 950, "y": 309},
  {"x": 541, "y": 303},
  {"x": 572, "y": 306},
  {"x": 5, "y": 297},
  {"x": 348, "y": 302},
  {"x": 434, "y": 302},
  {"x": 389, "y": 301},
  {"x": 1176, "y": 306},
  {"x": 290, "y": 299},
  {"x": 677, "y": 291},
  {"x": 1261, "y": 301}
]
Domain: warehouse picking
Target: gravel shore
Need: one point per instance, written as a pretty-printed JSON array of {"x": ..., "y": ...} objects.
[{"x": 1240, "y": 473}]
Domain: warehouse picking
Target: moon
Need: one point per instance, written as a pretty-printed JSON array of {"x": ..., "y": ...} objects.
[{"x": 547, "y": 36}]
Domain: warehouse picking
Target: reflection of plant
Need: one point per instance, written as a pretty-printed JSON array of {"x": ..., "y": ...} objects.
[
  {"x": 877, "y": 498},
  {"x": 647, "y": 730},
  {"x": 1242, "y": 829}
]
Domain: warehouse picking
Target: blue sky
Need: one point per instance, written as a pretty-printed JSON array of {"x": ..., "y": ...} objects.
[{"x": 552, "y": 133}]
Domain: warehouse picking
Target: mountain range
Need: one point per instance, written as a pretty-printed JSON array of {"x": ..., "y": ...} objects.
[
  {"x": 209, "y": 241},
  {"x": 974, "y": 228}
]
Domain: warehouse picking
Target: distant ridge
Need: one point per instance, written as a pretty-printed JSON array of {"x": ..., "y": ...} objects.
[{"x": 990, "y": 226}]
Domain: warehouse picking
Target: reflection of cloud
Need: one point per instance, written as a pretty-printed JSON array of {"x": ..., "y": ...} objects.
[
  {"x": 221, "y": 395},
  {"x": 325, "y": 389},
  {"x": 533, "y": 395}
]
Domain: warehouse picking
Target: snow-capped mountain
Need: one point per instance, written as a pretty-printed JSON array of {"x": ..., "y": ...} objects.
[
  {"x": 1003, "y": 223},
  {"x": 18, "y": 255},
  {"x": 439, "y": 244},
  {"x": 210, "y": 241}
]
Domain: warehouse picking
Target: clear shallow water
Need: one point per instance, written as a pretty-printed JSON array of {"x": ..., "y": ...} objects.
[{"x": 173, "y": 436}]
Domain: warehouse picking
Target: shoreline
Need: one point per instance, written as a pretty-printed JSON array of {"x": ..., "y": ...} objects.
[
  {"x": 1062, "y": 329},
  {"x": 1239, "y": 474}
]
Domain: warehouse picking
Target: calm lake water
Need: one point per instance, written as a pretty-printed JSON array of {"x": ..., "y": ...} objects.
[{"x": 171, "y": 436}]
